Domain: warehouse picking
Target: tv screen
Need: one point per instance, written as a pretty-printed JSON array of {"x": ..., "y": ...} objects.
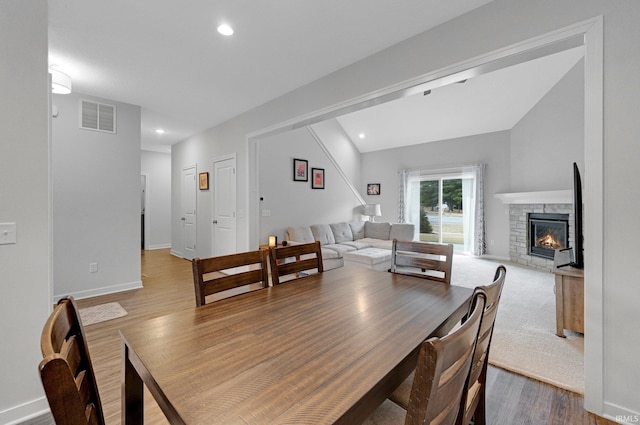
[{"x": 577, "y": 212}]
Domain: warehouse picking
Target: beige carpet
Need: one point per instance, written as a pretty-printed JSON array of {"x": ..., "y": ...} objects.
[
  {"x": 524, "y": 339},
  {"x": 101, "y": 313}
]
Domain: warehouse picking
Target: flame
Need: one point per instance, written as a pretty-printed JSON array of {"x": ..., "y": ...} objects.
[{"x": 549, "y": 242}]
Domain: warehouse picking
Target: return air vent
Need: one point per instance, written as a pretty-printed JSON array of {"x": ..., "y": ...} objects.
[{"x": 98, "y": 116}]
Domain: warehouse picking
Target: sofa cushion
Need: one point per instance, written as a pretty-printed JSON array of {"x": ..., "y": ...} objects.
[
  {"x": 378, "y": 243},
  {"x": 323, "y": 233},
  {"x": 341, "y": 249},
  {"x": 357, "y": 229},
  {"x": 328, "y": 253},
  {"x": 357, "y": 244},
  {"x": 377, "y": 230},
  {"x": 300, "y": 234},
  {"x": 341, "y": 232},
  {"x": 402, "y": 231}
]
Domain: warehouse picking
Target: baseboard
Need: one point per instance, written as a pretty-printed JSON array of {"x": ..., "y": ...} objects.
[
  {"x": 24, "y": 412},
  {"x": 176, "y": 254},
  {"x": 620, "y": 414},
  {"x": 154, "y": 247},
  {"x": 101, "y": 291}
]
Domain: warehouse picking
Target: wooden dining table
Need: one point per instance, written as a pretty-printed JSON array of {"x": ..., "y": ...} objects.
[{"x": 324, "y": 349}]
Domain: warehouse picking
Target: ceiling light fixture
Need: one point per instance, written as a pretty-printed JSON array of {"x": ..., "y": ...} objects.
[
  {"x": 60, "y": 82},
  {"x": 225, "y": 29},
  {"x": 160, "y": 131},
  {"x": 361, "y": 135}
]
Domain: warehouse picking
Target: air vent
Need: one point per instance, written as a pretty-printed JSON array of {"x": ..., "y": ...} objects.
[{"x": 98, "y": 116}]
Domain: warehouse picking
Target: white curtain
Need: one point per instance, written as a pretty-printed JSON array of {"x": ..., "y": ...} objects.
[{"x": 409, "y": 205}]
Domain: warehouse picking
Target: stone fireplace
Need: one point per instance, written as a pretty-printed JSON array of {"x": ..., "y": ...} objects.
[{"x": 552, "y": 206}]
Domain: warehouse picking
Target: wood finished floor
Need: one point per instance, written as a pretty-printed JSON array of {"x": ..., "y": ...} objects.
[{"x": 168, "y": 287}]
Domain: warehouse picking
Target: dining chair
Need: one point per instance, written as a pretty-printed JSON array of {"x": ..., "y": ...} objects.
[
  {"x": 217, "y": 274},
  {"x": 439, "y": 378},
  {"x": 66, "y": 370},
  {"x": 294, "y": 260},
  {"x": 472, "y": 404},
  {"x": 423, "y": 259}
]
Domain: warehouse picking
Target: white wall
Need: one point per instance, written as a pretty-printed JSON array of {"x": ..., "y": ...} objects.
[
  {"x": 342, "y": 149},
  {"x": 612, "y": 386},
  {"x": 25, "y": 278},
  {"x": 295, "y": 203},
  {"x": 492, "y": 149},
  {"x": 157, "y": 167},
  {"x": 550, "y": 138},
  {"x": 96, "y": 201}
]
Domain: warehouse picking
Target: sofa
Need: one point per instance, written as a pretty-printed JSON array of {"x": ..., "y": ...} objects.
[{"x": 361, "y": 243}]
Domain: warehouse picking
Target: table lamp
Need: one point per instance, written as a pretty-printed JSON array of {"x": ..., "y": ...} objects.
[{"x": 373, "y": 211}]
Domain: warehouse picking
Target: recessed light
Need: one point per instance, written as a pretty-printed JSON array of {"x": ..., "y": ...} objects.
[
  {"x": 225, "y": 29},
  {"x": 160, "y": 131},
  {"x": 361, "y": 135}
]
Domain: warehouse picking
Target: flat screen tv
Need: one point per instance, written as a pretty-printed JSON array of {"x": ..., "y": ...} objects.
[{"x": 578, "y": 250}]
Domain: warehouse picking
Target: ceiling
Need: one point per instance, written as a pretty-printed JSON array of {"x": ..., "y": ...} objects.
[
  {"x": 491, "y": 102},
  {"x": 167, "y": 57}
]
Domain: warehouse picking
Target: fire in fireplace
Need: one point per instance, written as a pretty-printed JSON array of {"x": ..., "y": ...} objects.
[{"x": 547, "y": 232}]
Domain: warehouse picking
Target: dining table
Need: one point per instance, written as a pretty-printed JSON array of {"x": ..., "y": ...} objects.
[{"x": 327, "y": 348}]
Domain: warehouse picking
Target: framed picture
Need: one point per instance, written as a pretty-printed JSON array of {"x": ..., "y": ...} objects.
[
  {"x": 300, "y": 170},
  {"x": 204, "y": 181},
  {"x": 317, "y": 178},
  {"x": 373, "y": 189}
]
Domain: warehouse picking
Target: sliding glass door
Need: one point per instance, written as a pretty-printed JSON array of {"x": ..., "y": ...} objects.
[{"x": 442, "y": 208}]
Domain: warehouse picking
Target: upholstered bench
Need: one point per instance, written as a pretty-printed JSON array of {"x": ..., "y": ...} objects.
[{"x": 371, "y": 258}]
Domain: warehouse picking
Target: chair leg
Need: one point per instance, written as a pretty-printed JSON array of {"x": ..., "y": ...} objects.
[{"x": 479, "y": 416}]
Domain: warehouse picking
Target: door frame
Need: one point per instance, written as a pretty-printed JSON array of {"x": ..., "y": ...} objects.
[
  {"x": 146, "y": 209},
  {"x": 213, "y": 183}
]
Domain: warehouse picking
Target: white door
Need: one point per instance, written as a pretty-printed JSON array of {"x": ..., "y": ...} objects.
[
  {"x": 224, "y": 206},
  {"x": 188, "y": 218}
]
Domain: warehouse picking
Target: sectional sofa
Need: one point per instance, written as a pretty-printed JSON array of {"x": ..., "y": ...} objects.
[{"x": 362, "y": 243}]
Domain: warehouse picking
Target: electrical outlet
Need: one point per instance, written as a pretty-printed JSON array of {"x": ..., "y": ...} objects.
[
  {"x": 7, "y": 233},
  {"x": 93, "y": 267}
]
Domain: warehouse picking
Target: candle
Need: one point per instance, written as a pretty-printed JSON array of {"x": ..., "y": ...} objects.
[{"x": 273, "y": 240}]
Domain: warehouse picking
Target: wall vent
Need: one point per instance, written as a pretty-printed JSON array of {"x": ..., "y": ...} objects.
[{"x": 97, "y": 116}]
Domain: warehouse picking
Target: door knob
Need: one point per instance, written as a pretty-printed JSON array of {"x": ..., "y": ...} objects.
[
  {"x": 183, "y": 219},
  {"x": 215, "y": 221}
]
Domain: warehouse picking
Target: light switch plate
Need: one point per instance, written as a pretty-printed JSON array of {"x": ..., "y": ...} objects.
[{"x": 7, "y": 233}]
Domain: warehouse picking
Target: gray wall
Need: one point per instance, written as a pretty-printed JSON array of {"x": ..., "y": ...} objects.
[
  {"x": 550, "y": 138},
  {"x": 492, "y": 149},
  {"x": 295, "y": 203},
  {"x": 157, "y": 167},
  {"x": 96, "y": 201},
  {"x": 25, "y": 267},
  {"x": 611, "y": 386}
]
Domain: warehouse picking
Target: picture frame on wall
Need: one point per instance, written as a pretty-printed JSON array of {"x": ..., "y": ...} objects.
[
  {"x": 317, "y": 178},
  {"x": 300, "y": 170},
  {"x": 203, "y": 179},
  {"x": 373, "y": 188}
]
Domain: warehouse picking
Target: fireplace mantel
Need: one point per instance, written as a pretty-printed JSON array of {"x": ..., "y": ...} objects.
[{"x": 544, "y": 197}]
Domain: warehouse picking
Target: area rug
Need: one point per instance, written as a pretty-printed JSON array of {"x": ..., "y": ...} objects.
[
  {"x": 524, "y": 339},
  {"x": 101, "y": 313}
]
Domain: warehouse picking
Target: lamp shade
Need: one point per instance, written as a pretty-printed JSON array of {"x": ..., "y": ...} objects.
[{"x": 372, "y": 210}]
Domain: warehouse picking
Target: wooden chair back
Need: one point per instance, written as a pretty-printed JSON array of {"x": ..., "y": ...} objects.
[
  {"x": 294, "y": 259},
  {"x": 66, "y": 369},
  {"x": 442, "y": 372},
  {"x": 473, "y": 398},
  {"x": 217, "y": 274},
  {"x": 423, "y": 259}
]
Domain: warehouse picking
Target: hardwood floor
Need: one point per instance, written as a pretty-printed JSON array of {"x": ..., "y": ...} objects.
[{"x": 168, "y": 287}]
